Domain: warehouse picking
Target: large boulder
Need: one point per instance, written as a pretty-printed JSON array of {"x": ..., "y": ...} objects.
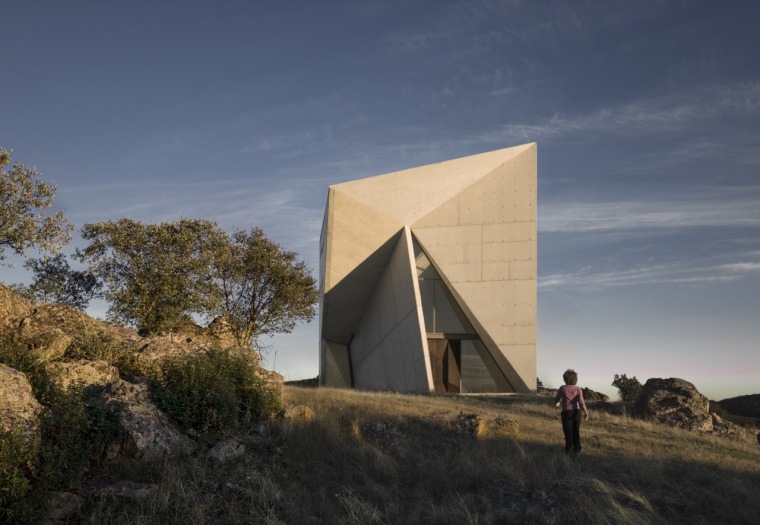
[
  {"x": 45, "y": 342},
  {"x": 12, "y": 307},
  {"x": 148, "y": 432},
  {"x": 674, "y": 402},
  {"x": 19, "y": 410},
  {"x": 45, "y": 330},
  {"x": 82, "y": 371}
]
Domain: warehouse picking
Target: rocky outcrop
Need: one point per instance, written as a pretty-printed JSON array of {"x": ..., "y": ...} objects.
[
  {"x": 594, "y": 397},
  {"x": 727, "y": 428},
  {"x": 46, "y": 344},
  {"x": 45, "y": 330},
  {"x": 19, "y": 410},
  {"x": 12, "y": 307},
  {"x": 148, "y": 432},
  {"x": 82, "y": 371},
  {"x": 674, "y": 402},
  {"x": 63, "y": 337},
  {"x": 221, "y": 330}
]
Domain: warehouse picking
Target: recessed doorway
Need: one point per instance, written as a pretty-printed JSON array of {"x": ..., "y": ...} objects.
[{"x": 446, "y": 363}]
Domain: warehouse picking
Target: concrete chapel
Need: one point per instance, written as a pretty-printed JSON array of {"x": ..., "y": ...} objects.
[{"x": 428, "y": 277}]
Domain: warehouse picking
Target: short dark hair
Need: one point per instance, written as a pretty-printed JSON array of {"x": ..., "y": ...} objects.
[{"x": 570, "y": 377}]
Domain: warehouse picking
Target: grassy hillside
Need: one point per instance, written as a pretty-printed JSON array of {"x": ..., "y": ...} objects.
[{"x": 368, "y": 458}]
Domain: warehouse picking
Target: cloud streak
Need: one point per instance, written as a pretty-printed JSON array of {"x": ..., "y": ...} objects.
[
  {"x": 675, "y": 273},
  {"x": 735, "y": 207},
  {"x": 674, "y": 113}
]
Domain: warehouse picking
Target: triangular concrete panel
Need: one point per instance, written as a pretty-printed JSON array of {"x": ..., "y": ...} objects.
[
  {"x": 411, "y": 194},
  {"x": 354, "y": 232}
]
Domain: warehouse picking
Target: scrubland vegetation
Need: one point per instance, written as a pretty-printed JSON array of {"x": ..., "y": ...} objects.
[{"x": 348, "y": 457}]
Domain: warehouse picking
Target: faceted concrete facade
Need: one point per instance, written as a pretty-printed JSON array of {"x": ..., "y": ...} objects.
[{"x": 428, "y": 277}]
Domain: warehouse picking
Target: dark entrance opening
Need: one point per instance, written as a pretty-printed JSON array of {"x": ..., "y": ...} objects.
[{"x": 446, "y": 364}]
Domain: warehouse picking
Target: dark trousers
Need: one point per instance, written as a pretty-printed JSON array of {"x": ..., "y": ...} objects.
[{"x": 571, "y": 426}]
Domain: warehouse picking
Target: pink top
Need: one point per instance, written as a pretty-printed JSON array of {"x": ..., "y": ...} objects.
[{"x": 571, "y": 397}]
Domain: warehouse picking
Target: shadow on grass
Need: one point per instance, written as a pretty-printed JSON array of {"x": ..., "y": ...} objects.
[{"x": 422, "y": 469}]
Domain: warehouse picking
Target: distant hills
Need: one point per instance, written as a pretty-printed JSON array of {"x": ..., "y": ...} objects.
[{"x": 747, "y": 406}]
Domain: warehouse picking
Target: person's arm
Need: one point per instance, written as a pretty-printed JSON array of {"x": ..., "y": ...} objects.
[
  {"x": 558, "y": 397},
  {"x": 583, "y": 403}
]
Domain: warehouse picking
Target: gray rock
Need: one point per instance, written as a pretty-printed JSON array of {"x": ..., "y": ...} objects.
[
  {"x": 148, "y": 431},
  {"x": 12, "y": 307},
  {"x": 726, "y": 428},
  {"x": 83, "y": 371},
  {"x": 18, "y": 407},
  {"x": 226, "y": 450},
  {"x": 44, "y": 342},
  {"x": 674, "y": 402}
]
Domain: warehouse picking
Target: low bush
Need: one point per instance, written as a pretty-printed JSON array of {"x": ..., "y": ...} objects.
[
  {"x": 95, "y": 344},
  {"x": 75, "y": 429},
  {"x": 17, "y": 460},
  {"x": 216, "y": 391}
]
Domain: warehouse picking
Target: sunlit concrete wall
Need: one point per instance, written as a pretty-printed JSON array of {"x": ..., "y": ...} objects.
[
  {"x": 483, "y": 243},
  {"x": 476, "y": 219}
]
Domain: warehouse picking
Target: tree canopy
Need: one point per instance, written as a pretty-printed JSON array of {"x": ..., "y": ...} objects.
[
  {"x": 155, "y": 275},
  {"x": 158, "y": 275},
  {"x": 23, "y": 198},
  {"x": 264, "y": 288},
  {"x": 56, "y": 282},
  {"x": 628, "y": 387}
]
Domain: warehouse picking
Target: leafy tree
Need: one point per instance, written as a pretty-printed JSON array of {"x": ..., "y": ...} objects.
[
  {"x": 629, "y": 388},
  {"x": 264, "y": 289},
  {"x": 22, "y": 199},
  {"x": 155, "y": 275},
  {"x": 55, "y": 282},
  {"x": 22, "y": 290}
]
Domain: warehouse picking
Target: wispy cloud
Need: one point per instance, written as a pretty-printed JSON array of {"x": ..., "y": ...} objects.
[
  {"x": 724, "y": 207},
  {"x": 679, "y": 111},
  {"x": 673, "y": 273}
]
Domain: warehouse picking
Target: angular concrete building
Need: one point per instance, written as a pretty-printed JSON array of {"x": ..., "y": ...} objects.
[{"x": 428, "y": 278}]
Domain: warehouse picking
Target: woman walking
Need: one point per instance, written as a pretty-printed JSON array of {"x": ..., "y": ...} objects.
[{"x": 570, "y": 398}]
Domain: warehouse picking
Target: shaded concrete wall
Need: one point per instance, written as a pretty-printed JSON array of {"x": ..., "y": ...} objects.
[{"x": 389, "y": 348}]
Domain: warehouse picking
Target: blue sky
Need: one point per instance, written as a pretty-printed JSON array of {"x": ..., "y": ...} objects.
[{"x": 646, "y": 114}]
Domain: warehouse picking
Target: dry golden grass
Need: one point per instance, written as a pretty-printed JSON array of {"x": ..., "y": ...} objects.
[{"x": 383, "y": 458}]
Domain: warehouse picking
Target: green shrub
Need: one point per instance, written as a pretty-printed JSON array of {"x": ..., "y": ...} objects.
[
  {"x": 74, "y": 430},
  {"x": 95, "y": 344},
  {"x": 214, "y": 391},
  {"x": 18, "y": 496}
]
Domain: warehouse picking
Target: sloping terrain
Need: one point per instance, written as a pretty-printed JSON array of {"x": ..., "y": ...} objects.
[{"x": 348, "y": 457}]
